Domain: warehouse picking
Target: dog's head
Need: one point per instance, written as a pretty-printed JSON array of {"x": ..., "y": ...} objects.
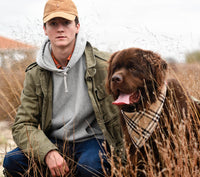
[{"x": 135, "y": 76}]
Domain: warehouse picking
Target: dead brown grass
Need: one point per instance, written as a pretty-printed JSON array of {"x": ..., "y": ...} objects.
[
  {"x": 10, "y": 88},
  {"x": 188, "y": 75}
]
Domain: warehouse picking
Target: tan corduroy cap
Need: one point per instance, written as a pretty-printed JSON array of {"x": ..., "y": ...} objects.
[{"x": 60, "y": 8}]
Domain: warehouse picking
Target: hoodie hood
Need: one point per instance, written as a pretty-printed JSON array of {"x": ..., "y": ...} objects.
[{"x": 44, "y": 58}]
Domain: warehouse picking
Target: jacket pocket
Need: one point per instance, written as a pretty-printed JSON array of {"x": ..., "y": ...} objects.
[
  {"x": 100, "y": 92},
  {"x": 109, "y": 110},
  {"x": 110, "y": 118}
]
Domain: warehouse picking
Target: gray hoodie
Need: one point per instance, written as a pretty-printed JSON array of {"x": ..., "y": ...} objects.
[{"x": 73, "y": 117}]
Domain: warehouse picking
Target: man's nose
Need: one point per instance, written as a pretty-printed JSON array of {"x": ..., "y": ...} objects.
[{"x": 60, "y": 27}]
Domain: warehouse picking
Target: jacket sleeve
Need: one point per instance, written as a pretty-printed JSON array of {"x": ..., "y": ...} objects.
[{"x": 26, "y": 132}]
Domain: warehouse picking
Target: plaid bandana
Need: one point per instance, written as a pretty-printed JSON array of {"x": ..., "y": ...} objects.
[{"x": 141, "y": 124}]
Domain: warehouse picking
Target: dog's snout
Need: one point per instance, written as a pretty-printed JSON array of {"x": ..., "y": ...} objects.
[{"x": 117, "y": 78}]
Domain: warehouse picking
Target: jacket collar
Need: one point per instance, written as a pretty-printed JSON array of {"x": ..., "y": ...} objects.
[{"x": 90, "y": 60}]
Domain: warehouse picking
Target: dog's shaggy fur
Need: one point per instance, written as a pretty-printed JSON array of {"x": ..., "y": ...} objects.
[{"x": 142, "y": 74}]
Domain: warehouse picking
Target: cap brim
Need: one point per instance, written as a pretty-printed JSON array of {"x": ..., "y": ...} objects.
[{"x": 59, "y": 14}]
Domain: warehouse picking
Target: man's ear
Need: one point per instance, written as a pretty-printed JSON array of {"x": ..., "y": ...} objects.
[
  {"x": 44, "y": 28},
  {"x": 78, "y": 28}
]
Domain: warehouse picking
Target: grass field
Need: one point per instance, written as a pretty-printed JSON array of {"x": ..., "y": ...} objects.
[{"x": 188, "y": 159}]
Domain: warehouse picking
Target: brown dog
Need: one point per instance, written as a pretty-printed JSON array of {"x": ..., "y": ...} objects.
[{"x": 152, "y": 107}]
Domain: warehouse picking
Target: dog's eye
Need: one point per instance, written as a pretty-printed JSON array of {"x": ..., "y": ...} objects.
[
  {"x": 130, "y": 63},
  {"x": 115, "y": 67},
  {"x": 130, "y": 66},
  {"x": 131, "y": 69}
]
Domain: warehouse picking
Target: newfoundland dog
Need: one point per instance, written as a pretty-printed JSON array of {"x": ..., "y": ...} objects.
[{"x": 152, "y": 107}]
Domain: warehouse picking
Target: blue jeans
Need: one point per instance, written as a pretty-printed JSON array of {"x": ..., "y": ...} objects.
[{"x": 85, "y": 155}]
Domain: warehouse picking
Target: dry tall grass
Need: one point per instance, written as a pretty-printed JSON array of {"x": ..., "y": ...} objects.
[
  {"x": 10, "y": 88},
  {"x": 181, "y": 160},
  {"x": 188, "y": 75}
]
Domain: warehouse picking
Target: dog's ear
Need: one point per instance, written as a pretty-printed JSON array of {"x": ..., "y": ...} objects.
[
  {"x": 158, "y": 68},
  {"x": 161, "y": 71},
  {"x": 109, "y": 76},
  {"x": 164, "y": 65}
]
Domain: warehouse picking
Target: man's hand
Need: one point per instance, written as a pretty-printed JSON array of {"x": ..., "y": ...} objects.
[{"x": 56, "y": 163}]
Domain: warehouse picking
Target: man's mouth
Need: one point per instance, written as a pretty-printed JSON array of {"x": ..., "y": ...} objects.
[
  {"x": 130, "y": 98},
  {"x": 61, "y": 37}
]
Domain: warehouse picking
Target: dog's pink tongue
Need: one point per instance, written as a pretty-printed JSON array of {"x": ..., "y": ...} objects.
[{"x": 122, "y": 99}]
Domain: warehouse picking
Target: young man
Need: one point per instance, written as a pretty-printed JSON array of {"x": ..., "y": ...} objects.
[{"x": 64, "y": 108}]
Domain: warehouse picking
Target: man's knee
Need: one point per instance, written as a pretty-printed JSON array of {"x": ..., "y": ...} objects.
[
  {"x": 15, "y": 162},
  {"x": 88, "y": 159},
  {"x": 90, "y": 166},
  {"x": 9, "y": 160}
]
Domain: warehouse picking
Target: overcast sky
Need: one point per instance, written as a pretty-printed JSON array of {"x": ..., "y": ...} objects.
[{"x": 169, "y": 27}]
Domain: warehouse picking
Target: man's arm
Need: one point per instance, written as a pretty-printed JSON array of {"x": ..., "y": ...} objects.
[{"x": 26, "y": 134}]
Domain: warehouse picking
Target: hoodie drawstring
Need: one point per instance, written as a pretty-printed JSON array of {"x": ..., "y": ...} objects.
[{"x": 65, "y": 81}]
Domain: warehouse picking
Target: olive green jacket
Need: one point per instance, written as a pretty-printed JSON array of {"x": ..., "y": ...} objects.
[{"x": 33, "y": 119}]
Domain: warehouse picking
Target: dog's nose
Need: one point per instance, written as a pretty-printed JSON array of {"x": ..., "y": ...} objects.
[{"x": 117, "y": 78}]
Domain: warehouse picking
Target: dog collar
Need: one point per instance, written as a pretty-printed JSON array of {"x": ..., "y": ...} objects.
[{"x": 141, "y": 124}]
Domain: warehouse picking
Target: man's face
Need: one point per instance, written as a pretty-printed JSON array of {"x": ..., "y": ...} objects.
[{"x": 61, "y": 32}]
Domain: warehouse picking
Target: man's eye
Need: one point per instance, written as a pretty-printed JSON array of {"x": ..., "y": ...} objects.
[
  {"x": 53, "y": 23},
  {"x": 67, "y": 22}
]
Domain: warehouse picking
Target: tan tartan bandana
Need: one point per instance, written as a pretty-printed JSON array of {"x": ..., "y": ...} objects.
[{"x": 141, "y": 124}]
